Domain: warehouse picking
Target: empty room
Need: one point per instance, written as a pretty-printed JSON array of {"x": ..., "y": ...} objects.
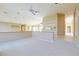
[{"x": 39, "y": 29}]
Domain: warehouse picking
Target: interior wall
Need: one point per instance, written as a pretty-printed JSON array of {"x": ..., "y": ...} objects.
[
  {"x": 50, "y": 20},
  {"x": 77, "y": 23},
  {"x": 9, "y": 27}
]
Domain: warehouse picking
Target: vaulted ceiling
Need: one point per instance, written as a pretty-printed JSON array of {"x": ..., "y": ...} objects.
[{"x": 19, "y": 12}]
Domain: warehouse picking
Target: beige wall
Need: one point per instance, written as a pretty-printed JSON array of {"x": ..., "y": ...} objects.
[
  {"x": 5, "y": 36},
  {"x": 77, "y": 23},
  {"x": 9, "y": 27},
  {"x": 50, "y": 20}
]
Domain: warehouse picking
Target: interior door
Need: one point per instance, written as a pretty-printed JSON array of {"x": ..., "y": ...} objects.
[{"x": 61, "y": 24}]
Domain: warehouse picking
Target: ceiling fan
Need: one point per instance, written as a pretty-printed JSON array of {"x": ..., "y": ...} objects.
[{"x": 34, "y": 12}]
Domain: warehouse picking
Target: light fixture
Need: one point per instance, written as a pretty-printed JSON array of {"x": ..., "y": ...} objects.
[{"x": 34, "y": 12}]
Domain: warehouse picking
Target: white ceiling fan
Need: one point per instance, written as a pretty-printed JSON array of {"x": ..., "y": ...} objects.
[{"x": 34, "y": 12}]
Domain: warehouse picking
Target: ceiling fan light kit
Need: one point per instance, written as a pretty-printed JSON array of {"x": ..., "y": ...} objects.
[{"x": 34, "y": 12}]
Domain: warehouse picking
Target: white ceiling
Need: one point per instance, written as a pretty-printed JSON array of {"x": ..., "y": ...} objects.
[{"x": 20, "y": 11}]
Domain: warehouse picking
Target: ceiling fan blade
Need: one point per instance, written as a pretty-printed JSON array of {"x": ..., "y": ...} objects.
[
  {"x": 36, "y": 11},
  {"x": 33, "y": 13}
]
